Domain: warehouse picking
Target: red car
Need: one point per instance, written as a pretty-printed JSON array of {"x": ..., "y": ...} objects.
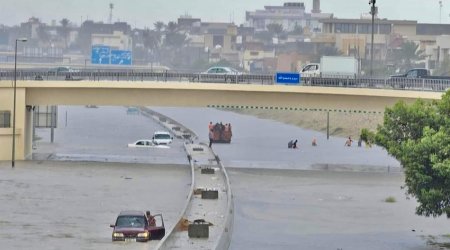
[{"x": 134, "y": 226}]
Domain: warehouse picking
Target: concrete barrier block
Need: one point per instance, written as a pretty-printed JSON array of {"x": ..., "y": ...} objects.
[
  {"x": 207, "y": 171},
  {"x": 210, "y": 194},
  {"x": 198, "y": 229}
]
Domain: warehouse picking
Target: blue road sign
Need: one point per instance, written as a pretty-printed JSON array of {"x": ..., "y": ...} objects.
[
  {"x": 100, "y": 54},
  {"x": 288, "y": 78},
  {"x": 121, "y": 57}
]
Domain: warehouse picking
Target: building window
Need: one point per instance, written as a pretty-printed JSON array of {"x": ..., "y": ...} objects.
[
  {"x": 385, "y": 29},
  {"x": 260, "y": 24},
  {"x": 365, "y": 28},
  {"x": 345, "y": 28},
  {"x": 5, "y": 119},
  {"x": 218, "y": 40}
]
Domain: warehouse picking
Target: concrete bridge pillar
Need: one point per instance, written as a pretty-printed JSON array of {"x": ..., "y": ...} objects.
[{"x": 22, "y": 117}]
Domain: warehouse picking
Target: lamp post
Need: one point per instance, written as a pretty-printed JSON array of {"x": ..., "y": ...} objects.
[
  {"x": 372, "y": 12},
  {"x": 14, "y": 102}
]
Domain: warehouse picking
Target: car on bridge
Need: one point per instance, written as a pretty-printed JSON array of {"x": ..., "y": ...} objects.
[
  {"x": 421, "y": 79},
  {"x": 220, "y": 74},
  {"x": 64, "y": 70},
  {"x": 134, "y": 226}
]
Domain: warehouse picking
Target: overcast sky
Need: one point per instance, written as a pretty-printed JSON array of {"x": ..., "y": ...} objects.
[{"x": 143, "y": 13}]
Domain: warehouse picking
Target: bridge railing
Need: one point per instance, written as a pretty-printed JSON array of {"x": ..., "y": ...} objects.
[{"x": 421, "y": 84}]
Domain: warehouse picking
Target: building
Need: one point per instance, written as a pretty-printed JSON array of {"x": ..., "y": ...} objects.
[
  {"x": 353, "y": 36},
  {"x": 90, "y": 27},
  {"x": 290, "y": 16},
  {"x": 117, "y": 40}
]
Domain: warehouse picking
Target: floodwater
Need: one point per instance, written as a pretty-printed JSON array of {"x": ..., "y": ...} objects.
[
  {"x": 279, "y": 202},
  {"x": 103, "y": 134},
  {"x": 284, "y": 209},
  {"x": 70, "y": 205},
  {"x": 324, "y": 197}
]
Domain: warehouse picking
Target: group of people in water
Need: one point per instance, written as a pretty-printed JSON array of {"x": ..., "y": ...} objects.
[
  {"x": 219, "y": 132},
  {"x": 348, "y": 143}
]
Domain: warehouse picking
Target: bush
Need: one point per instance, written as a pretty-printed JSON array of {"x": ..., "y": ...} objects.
[{"x": 390, "y": 199}]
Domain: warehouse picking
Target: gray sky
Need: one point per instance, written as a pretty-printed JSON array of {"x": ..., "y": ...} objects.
[{"x": 146, "y": 12}]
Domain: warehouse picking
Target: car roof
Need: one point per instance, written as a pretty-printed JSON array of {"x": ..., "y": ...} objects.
[
  {"x": 162, "y": 132},
  {"x": 132, "y": 213},
  {"x": 221, "y": 67}
]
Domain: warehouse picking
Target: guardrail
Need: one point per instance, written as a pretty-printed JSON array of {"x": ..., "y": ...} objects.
[
  {"x": 422, "y": 84},
  {"x": 163, "y": 243},
  {"x": 225, "y": 237}
]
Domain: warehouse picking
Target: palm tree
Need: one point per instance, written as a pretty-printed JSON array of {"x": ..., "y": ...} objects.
[
  {"x": 43, "y": 34},
  {"x": 152, "y": 41},
  {"x": 159, "y": 26},
  {"x": 65, "y": 30},
  {"x": 172, "y": 27},
  {"x": 410, "y": 54},
  {"x": 275, "y": 29}
]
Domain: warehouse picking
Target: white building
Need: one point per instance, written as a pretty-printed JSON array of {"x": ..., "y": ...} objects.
[
  {"x": 116, "y": 40},
  {"x": 290, "y": 16}
]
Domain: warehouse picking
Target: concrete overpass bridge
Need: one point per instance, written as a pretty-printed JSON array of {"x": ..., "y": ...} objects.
[{"x": 181, "y": 94}]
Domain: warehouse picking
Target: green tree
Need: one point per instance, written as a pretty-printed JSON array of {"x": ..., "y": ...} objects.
[
  {"x": 275, "y": 29},
  {"x": 172, "y": 27},
  {"x": 298, "y": 30},
  {"x": 444, "y": 67},
  {"x": 408, "y": 55},
  {"x": 159, "y": 26},
  {"x": 152, "y": 42},
  {"x": 418, "y": 136},
  {"x": 43, "y": 34},
  {"x": 326, "y": 50},
  {"x": 64, "y": 30}
]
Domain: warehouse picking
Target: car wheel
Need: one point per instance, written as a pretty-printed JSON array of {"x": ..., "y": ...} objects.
[{"x": 228, "y": 80}]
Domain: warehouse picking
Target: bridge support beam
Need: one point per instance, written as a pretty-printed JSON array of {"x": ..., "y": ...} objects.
[{"x": 6, "y": 133}]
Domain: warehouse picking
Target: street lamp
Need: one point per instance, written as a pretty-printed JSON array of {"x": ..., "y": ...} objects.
[
  {"x": 372, "y": 12},
  {"x": 14, "y": 102}
]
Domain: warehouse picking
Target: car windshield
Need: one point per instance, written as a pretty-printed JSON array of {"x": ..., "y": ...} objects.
[
  {"x": 131, "y": 221},
  {"x": 162, "y": 136}
]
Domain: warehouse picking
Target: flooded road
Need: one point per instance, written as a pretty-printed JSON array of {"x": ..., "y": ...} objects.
[
  {"x": 321, "y": 210},
  {"x": 279, "y": 202},
  {"x": 70, "y": 205},
  {"x": 103, "y": 134}
]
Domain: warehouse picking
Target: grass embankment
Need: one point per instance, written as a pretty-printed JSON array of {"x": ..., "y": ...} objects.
[{"x": 342, "y": 124}]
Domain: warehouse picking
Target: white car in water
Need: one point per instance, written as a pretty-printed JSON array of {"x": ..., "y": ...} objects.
[
  {"x": 162, "y": 138},
  {"x": 146, "y": 143}
]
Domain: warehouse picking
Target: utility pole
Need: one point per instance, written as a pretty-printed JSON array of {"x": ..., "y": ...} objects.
[
  {"x": 111, "y": 7},
  {"x": 372, "y": 12}
]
